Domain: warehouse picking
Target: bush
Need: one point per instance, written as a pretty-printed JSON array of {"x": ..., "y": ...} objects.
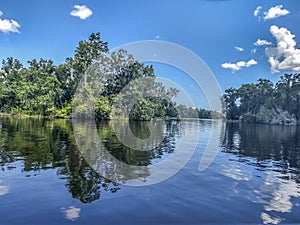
[
  {"x": 264, "y": 115},
  {"x": 248, "y": 118},
  {"x": 143, "y": 110},
  {"x": 103, "y": 108}
]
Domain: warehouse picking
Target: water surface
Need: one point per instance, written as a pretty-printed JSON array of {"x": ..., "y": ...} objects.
[{"x": 45, "y": 178}]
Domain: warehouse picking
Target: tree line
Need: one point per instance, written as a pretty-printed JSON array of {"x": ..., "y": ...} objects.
[
  {"x": 45, "y": 89},
  {"x": 265, "y": 102}
]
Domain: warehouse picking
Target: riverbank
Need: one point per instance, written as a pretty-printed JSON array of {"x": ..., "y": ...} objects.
[
  {"x": 245, "y": 120},
  {"x": 251, "y": 119},
  {"x": 121, "y": 118},
  {"x": 265, "y": 102},
  {"x": 19, "y": 115}
]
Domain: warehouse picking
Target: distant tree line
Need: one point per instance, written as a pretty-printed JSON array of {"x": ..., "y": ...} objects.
[
  {"x": 265, "y": 102},
  {"x": 192, "y": 112},
  {"x": 45, "y": 89}
]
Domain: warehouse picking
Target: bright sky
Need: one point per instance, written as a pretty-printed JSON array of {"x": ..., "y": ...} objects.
[{"x": 240, "y": 41}]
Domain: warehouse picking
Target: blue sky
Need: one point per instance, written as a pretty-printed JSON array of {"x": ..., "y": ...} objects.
[{"x": 210, "y": 28}]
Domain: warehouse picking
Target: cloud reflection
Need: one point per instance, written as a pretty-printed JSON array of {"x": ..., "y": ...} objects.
[
  {"x": 72, "y": 213},
  {"x": 281, "y": 190},
  {"x": 3, "y": 189},
  {"x": 267, "y": 219},
  {"x": 234, "y": 172}
]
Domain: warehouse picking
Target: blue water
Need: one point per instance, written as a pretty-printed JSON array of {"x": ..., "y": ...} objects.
[{"x": 254, "y": 178}]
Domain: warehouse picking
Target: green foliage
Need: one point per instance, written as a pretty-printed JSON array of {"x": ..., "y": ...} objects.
[
  {"x": 183, "y": 111},
  {"x": 143, "y": 110},
  {"x": 63, "y": 112},
  {"x": 28, "y": 90},
  {"x": 45, "y": 89},
  {"x": 249, "y": 118},
  {"x": 103, "y": 108},
  {"x": 265, "y": 102},
  {"x": 264, "y": 114}
]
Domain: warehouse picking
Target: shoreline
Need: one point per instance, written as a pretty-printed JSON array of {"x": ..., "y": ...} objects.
[
  {"x": 273, "y": 124},
  {"x": 8, "y": 115},
  {"x": 24, "y": 116}
]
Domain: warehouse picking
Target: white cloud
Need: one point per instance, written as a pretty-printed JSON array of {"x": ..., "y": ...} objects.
[
  {"x": 251, "y": 62},
  {"x": 7, "y": 26},
  {"x": 239, "y": 49},
  {"x": 285, "y": 56},
  {"x": 275, "y": 12},
  {"x": 253, "y": 50},
  {"x": 231, "y": 66},
  {"x": 81, "y": 11},
  {"x": 157, "y": 37},
  {"x": 257, "y": 10},
  {"x": 260, "y": 42},
  {"x": 238, "y": 66}
]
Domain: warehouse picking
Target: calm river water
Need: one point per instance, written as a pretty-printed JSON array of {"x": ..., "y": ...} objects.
[{"x": 50, "y": 173}]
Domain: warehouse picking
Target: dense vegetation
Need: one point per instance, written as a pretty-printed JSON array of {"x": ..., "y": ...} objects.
[
  {"x": 191, "y": 112},
  {"x": 45, "y": 89},
  {"x": 265, "y": 102}
]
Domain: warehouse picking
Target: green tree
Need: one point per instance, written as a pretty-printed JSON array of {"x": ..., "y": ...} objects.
[
  {"x": 9, "y": 76},
  {"x": 265, "y": 102},
  {"x": 46, "y": 89},
  {"x": 230, "y": 100}
]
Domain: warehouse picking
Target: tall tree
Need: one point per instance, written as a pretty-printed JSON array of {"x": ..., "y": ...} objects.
[{"x": 230, "y": 100}]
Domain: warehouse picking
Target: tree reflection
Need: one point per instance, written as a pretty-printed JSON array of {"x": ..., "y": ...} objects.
[
  {"x": 25, "y": 138},
  {"x": 281, "y": 144},
  {"x": 50, "y": 144},
  {"x": 107, "y": 154},
  {"x": 169, "y": 130},
  {"x": 274, "y": 150}
]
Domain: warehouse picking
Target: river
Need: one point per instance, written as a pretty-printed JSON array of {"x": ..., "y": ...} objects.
[{"x": 190, "y": 172}]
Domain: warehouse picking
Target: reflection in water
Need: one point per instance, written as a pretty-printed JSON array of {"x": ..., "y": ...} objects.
[
  {"x": 277, "y": 191},
  {"x": 3, "y": 189},
  {"x": 283, "y": 190},
  {"x": 71, "y": 213},
  {"x": 42, "y": 145},
  {"x": 109, "y": 157},
  {"x": 256, "y": 177},
  {"x": 161, "y": 144},
  {"x": 217, "y": 130},
  {"x": 276, "y": 150},
  {"x": 267, "y": 219},
  {"x": 263, "y": 142},
  {"x": 236, "y": 173}
]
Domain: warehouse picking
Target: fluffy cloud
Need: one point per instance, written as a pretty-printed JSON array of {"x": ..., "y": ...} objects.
[
  {"x": 275, "y": 12},
  {"x": 257, "y": 10},
  {"x": 238, "y": 66},
  {"x": 239, "y": 49},
  {"x": 285, "y": 56},
  {"x": 262, "y": 42},
  {"x": 7, "y": 26},
  {"x": 81, "y": 11}
]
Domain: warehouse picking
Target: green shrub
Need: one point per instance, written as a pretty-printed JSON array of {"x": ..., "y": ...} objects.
[{"x": 248, "y": 118}]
